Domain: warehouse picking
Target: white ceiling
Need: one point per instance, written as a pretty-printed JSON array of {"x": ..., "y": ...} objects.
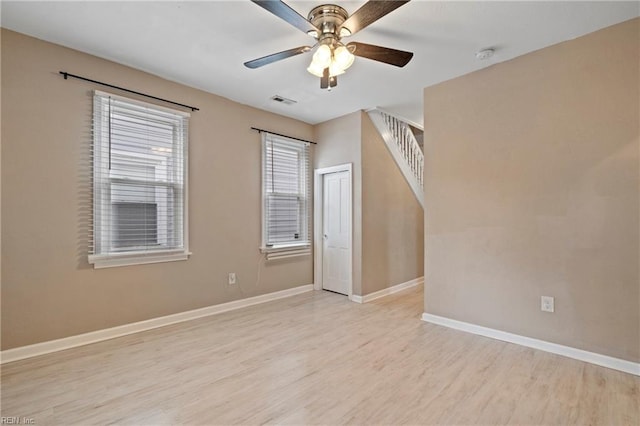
[{"x": 204, "y": 44}]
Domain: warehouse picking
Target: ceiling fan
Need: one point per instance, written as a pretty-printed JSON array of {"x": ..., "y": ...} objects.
[{"x": 328, "y": 24}]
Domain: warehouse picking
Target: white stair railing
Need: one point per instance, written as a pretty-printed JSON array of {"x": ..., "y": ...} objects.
[{"x": 404, "y": 148}]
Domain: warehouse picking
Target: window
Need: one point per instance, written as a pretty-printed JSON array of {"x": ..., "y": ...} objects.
[
  {"x": 139, "y": 182},
  {"x": 285, "y": 186}
]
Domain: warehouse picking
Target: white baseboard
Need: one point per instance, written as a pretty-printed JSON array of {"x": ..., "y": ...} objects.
[
  {"x": 29, "y": 351},
  {"x": 579, "y": 354},
  {"x": 387, "y": 291}
]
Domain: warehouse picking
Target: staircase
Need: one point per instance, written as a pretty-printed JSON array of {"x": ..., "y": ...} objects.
[{"x": 401, "y": 141}]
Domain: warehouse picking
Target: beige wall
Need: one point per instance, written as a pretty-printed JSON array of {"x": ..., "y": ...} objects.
[
  {"x": 392, "y": 218},
  {"x": 48, "y": 289},
  {"x": 339, "y": 143},
  {"x": 0, "y": 188},
  {"x": 532, "y": 188},
  {"x": 387, "y": 219}
]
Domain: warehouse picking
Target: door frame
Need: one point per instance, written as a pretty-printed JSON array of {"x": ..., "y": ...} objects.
[{"x": 318, "y": 222}]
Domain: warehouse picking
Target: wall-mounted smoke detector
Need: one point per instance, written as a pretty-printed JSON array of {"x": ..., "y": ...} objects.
[
  {"x": 484, "y": 54},
  {"x": 283, "y": 100}
]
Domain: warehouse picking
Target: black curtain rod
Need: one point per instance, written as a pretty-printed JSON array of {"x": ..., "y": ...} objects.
[
  {"x": 279, "y": 134},
  {"x": 67, "y": 75}
]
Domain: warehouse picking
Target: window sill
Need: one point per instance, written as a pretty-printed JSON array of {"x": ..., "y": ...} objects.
[
  {"x": 284, "y": 252},
  {"x": 100, "y": 261},
  {"x": 288, "y": 247}
]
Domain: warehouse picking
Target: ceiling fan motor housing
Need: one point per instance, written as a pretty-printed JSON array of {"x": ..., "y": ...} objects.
[{"x": 328, "y": 18}]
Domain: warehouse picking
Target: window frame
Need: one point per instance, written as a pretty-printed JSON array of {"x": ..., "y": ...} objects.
[
  {"x": 302, "y": 247},
  {"x": 101, "y": 192}
]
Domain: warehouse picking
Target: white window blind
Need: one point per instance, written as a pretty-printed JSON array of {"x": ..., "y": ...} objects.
[
  {"x": 286, "y": 192},
  {"x": 139, "y": 182}
]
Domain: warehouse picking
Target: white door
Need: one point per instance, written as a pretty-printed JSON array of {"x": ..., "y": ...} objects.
[{"x": 336, "y": 230}]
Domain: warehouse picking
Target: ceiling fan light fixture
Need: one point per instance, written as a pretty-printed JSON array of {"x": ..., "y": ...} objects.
[
  {"x": 322, "y": 57},
  {"x": 315, "y": 69},
  {"x": 335, "y": 69},
  {"x": 342, "y": 57}
]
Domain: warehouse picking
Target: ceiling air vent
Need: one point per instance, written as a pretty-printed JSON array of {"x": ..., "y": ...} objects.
[{"x": 283, "y": 100}]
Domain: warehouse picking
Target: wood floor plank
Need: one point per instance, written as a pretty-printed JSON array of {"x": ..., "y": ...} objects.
[{"x": 315, "y": 358}]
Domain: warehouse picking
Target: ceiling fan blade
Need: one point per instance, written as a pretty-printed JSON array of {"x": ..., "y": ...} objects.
[
  {"x": 369, "y": 13},
  {"x": 265, "y": 60},
  {"x": 286, "y": 13},
  {"x": 399, "y": 58},
  {"x": 324, "y": 80}
]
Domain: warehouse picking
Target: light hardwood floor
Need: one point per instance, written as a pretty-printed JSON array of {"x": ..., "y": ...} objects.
[{"x": 315, "y": 358}]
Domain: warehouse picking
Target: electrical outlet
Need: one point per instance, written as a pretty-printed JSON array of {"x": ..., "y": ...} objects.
[
  {"x": 232, "y": 277},
  {"x": 546, "y": 303}
]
